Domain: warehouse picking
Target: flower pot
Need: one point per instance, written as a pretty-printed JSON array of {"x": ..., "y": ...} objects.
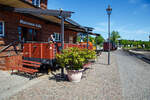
[
  {"x": 92, "y": 60},
  {"x": 74, "y": 75}
]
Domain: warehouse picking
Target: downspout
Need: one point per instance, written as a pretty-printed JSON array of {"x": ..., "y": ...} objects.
[
  {"x": 96, "y": 42},
  {"x": 87, "y": 38},
  {"x": 62, "y": 38}
]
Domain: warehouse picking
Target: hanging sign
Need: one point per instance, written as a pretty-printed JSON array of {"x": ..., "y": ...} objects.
[{"x": 29, "y": 23}]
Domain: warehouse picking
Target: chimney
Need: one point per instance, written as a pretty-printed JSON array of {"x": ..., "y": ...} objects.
[
  {"x": 39, "y": 3},
  {"x": 44, "y": 4}
]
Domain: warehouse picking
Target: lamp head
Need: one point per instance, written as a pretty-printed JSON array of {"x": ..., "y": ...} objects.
[{"x": 109, "y": 10}]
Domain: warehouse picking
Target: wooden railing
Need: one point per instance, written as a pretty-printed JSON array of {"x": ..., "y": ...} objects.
[{"x": 47, "y": 50}]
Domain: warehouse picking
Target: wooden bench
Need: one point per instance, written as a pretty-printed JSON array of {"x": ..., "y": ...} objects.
[{"x": 29, "y": 67}]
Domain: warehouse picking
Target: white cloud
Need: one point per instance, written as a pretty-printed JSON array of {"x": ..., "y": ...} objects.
[
  {"x": 144, "y": 6},
  {"x": 102, "y": 27},
  {"x": 133, "y": 1},
  {"x": 129, "y": 31},
  {"x": 104, "y": 24}
]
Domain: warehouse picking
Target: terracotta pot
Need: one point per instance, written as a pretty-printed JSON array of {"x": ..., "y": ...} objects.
[{"x": 74, "y": 75}]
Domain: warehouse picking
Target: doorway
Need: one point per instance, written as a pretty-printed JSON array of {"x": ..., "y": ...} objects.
[{"x": 27, "y": 34}]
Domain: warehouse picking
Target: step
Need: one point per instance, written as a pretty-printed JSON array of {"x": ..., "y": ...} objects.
[
  {"x": 2, "y": 42},
  {"x": 3, "y": 67}
]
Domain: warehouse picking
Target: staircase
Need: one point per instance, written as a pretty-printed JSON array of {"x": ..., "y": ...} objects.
[{"x": 5, "y": 51}]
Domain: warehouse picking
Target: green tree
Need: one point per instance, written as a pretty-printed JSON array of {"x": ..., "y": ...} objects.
[
  {"x": 78, "y": 38},
  {"x": 91, "y": 39},
  {"x": 99, "y": 39},
  {"x": 124, "y": 42},
  {"x": 115, "y": 36}
]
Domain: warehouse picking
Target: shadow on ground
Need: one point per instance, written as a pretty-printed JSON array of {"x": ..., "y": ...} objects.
[
  {"x": 62, "y": 78},
  {"x": 101, "y": 63},
  {"x": 58, "y": 77},
  {"x": 26, "y": 75}
]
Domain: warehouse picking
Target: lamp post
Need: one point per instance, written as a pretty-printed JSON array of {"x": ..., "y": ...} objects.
[
  {"x": 109, "y": 9},
  {"x": 149, "y": 37}
]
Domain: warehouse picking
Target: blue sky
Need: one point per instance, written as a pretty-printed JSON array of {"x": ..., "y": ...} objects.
[{"x": 131, "y": 18}]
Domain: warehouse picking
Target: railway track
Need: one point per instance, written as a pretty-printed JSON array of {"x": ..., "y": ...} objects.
[{"x": 140, "y": 56}]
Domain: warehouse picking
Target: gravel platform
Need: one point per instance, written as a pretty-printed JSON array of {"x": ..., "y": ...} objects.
[
  {"x": 100, "y": 82},
  {"x": 134, "y": 75}
]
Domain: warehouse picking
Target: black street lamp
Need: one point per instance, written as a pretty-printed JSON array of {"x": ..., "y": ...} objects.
[{"x": 109, "y": 10}]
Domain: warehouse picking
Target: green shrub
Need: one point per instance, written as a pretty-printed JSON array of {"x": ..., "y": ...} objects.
[{"x": 75, "y": 58}]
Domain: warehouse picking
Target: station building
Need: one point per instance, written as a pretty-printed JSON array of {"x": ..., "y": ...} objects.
[
  {"x": 28, "y": 26},
  {"x": 31, "y": 21}
]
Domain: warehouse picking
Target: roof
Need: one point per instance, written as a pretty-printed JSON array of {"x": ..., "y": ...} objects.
[
  {"x": 23, "y": 6},
  {"x": 17, "y": 3},
  {"x": 96, "y": 34}
]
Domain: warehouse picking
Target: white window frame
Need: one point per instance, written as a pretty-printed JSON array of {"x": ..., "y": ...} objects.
[
  {"x": 35, "y": 3},
  {"x": 3, "y": 30},
  {"x": 39, "y": 3},
  {"x": 57, "y": 37}
]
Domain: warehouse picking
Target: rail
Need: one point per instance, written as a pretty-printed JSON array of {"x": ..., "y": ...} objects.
[{"x": 14, "y": 43}]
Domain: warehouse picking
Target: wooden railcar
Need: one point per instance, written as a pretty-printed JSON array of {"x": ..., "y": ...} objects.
[
  {"x": 106, "y": 46},
  {"x": 46, "y": 52}
]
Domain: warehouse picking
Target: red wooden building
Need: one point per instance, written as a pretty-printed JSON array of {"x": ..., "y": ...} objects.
[
  {"x": 29, "y": 26},
  {"x": 31, "y": 21}
]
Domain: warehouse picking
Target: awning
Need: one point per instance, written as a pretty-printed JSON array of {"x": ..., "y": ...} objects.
[
  {"x": 22, "y": 6},
  {"x": 48, "y": 12},
  {"x": 96, "y": 34}
]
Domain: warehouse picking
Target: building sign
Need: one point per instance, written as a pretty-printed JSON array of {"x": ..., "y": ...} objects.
[{"x": 29, "y": 23}]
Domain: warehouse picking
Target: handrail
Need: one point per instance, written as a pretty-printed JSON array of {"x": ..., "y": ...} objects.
[{"x": 11, "y": 44}]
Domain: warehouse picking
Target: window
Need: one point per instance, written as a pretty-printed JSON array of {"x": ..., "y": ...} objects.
[
  {"x": 36, "y": 3},
  {"x": 57, "y": 37},
  {"x": 30, "y": 31},
  {"x": 1, "y": 28},
  {"x": 35, "y": 35},
  {"x": 20, "y": 32},
  {"x": 33, "y": 2},
  {"x": 44, "y": 1}
]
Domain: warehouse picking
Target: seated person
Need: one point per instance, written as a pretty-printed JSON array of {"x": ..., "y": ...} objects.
[{"x": 51, "y": 39}]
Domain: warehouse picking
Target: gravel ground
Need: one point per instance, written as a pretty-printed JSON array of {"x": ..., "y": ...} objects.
[
  {"x": 12, "y": 84},
  {"x": 8, "y": 83},
  {"x": 100, "y": 82},
  {"x": 134, "y": 75}
]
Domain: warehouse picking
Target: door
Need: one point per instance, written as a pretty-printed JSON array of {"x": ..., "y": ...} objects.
[{"x": 27, "y": 34}]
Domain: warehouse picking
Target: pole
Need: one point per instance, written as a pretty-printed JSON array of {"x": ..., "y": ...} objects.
[
  {"x": 62, "y": 41},
  {"x": 62, "y": 33},
  {"x": 96, "y": 43},
  {"x": 108, "y": 39},
  {"x": 87, "y": 40},
  {"x": 149, "y": 37}
]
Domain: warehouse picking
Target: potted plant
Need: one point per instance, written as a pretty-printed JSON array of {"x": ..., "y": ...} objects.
[
  {"x": 73, "y": 61},
  {"x": 90, "y": 55}
]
